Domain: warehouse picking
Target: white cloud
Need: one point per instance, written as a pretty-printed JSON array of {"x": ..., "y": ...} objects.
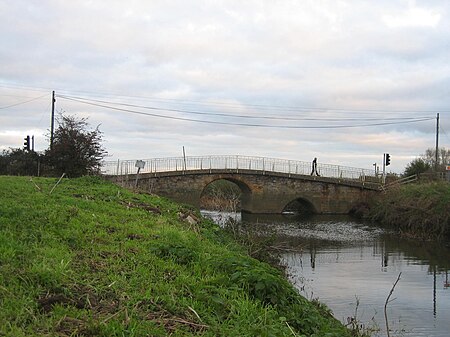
[
  {"x": 386, "y": 55},
  {"x": 413, "y": 16}
]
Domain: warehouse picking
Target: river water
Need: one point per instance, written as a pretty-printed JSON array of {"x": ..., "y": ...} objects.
[{"x": 351, "y": 266}]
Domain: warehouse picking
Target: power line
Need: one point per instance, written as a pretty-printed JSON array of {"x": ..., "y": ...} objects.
[
  {"x": 277, "y": 107},
  {"x": 443, "y": 131},
  {"x": 227, "y": 104},
  {"x": 240, "y": 116},
  {"x": 412, "y": 120},
  {"x": 290, "y": 108},
  {"x": 381, "y": 122},
  {"x": 20, "y": 103}
]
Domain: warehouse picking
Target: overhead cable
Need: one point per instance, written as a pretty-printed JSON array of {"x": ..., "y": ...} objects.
[
  {"x": 24, "y": 102},
  {"x": 411, "y": 120},
  {"x": 242, "y": 116}
]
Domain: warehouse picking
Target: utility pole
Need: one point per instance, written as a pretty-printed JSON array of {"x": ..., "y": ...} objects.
[
  {"x": 52, "y": 127},
  {"x": 437, "y": 144}
]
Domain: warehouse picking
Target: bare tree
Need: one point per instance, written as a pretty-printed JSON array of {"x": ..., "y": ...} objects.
[{"x": 443, "y": 157}]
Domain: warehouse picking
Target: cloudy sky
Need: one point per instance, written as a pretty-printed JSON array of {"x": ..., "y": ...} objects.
[{"x": 344, "y": 81}]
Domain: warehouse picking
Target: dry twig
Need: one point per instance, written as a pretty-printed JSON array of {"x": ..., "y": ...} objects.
[
  {"x": 57, "y": 183},
  {"x": 35, "y": 185},
  {"x": 387, "y": 302}
]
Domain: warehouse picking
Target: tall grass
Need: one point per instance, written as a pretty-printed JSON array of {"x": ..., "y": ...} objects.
[{"x": 419, "y": 210}]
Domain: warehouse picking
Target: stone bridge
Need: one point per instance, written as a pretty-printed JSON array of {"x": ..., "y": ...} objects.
[{"x": 263, "y": 191}]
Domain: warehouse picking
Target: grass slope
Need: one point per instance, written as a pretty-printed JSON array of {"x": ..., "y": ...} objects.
[
  {"x": 420, "y": 210},
  {"x": 92, "y": 259}
]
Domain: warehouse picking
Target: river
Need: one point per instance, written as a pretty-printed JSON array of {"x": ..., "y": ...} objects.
[{"x": 351, "y": 266}]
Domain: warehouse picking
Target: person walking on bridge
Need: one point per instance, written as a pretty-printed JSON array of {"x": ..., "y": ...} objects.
[{"x": 314, "y": 168}]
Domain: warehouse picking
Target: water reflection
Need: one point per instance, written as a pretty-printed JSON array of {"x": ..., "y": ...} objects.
[{"x": 344, "y": 262}]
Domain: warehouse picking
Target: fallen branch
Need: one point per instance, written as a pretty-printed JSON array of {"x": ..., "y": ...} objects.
[
  {"x": 112, "y": 316},
  {"x": 57, "y": 182},
  {"x": 35, "y": 185},
  {"x": 170, "y": 322},
  {"x": 283, "y": 248},
  {"x": 185, "y": 322},
  {"x": 387, "y": 302}
]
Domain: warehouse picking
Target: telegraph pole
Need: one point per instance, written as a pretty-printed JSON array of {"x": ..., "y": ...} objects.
[
  {"x": 437, "y": 144},
  {"x": 52, "y": 128}
]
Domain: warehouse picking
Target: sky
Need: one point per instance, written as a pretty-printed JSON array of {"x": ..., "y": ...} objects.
[{"x": 344, "y": 81}]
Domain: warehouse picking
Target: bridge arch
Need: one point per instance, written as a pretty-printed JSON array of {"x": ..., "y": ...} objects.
[
  {"x": 300, "y": 205},
  {"x": 243, "y": 186},
  {"x": 237, "y": 201}
]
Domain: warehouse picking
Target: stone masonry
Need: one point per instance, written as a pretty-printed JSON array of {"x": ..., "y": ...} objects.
[{"x": 261, "y": 192}]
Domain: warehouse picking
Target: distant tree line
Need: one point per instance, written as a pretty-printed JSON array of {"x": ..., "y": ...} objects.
[
  {"x": 427, "y": 162},
  {"x": 76, "y": 151}
]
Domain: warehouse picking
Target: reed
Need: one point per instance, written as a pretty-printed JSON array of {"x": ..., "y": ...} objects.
[{"x": 417, "y": 210}]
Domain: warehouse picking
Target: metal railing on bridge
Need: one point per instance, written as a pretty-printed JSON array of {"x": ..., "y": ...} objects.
[{"x": 260, "y": 164}]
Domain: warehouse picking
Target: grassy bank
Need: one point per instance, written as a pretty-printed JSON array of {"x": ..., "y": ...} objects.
[
  {"x": 92, "y": 259},
  {"x": 418, "y": 210}
]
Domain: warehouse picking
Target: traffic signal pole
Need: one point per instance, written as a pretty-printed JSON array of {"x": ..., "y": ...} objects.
[
  {"x": 26, "y": 143},
  {"x": 386, "y": 162}
]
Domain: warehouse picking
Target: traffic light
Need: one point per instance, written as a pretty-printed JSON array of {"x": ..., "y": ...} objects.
[
  {"x": 388, "y": 159},
  {"x": 26, "y": 144}
]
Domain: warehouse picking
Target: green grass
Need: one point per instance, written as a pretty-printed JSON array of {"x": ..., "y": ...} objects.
[
  {"x": 419, "y": 210},
  {"x": 93, "y": 259}
]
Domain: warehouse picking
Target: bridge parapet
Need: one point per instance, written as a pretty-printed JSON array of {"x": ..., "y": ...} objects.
[{"x": 261, "y": 164}]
